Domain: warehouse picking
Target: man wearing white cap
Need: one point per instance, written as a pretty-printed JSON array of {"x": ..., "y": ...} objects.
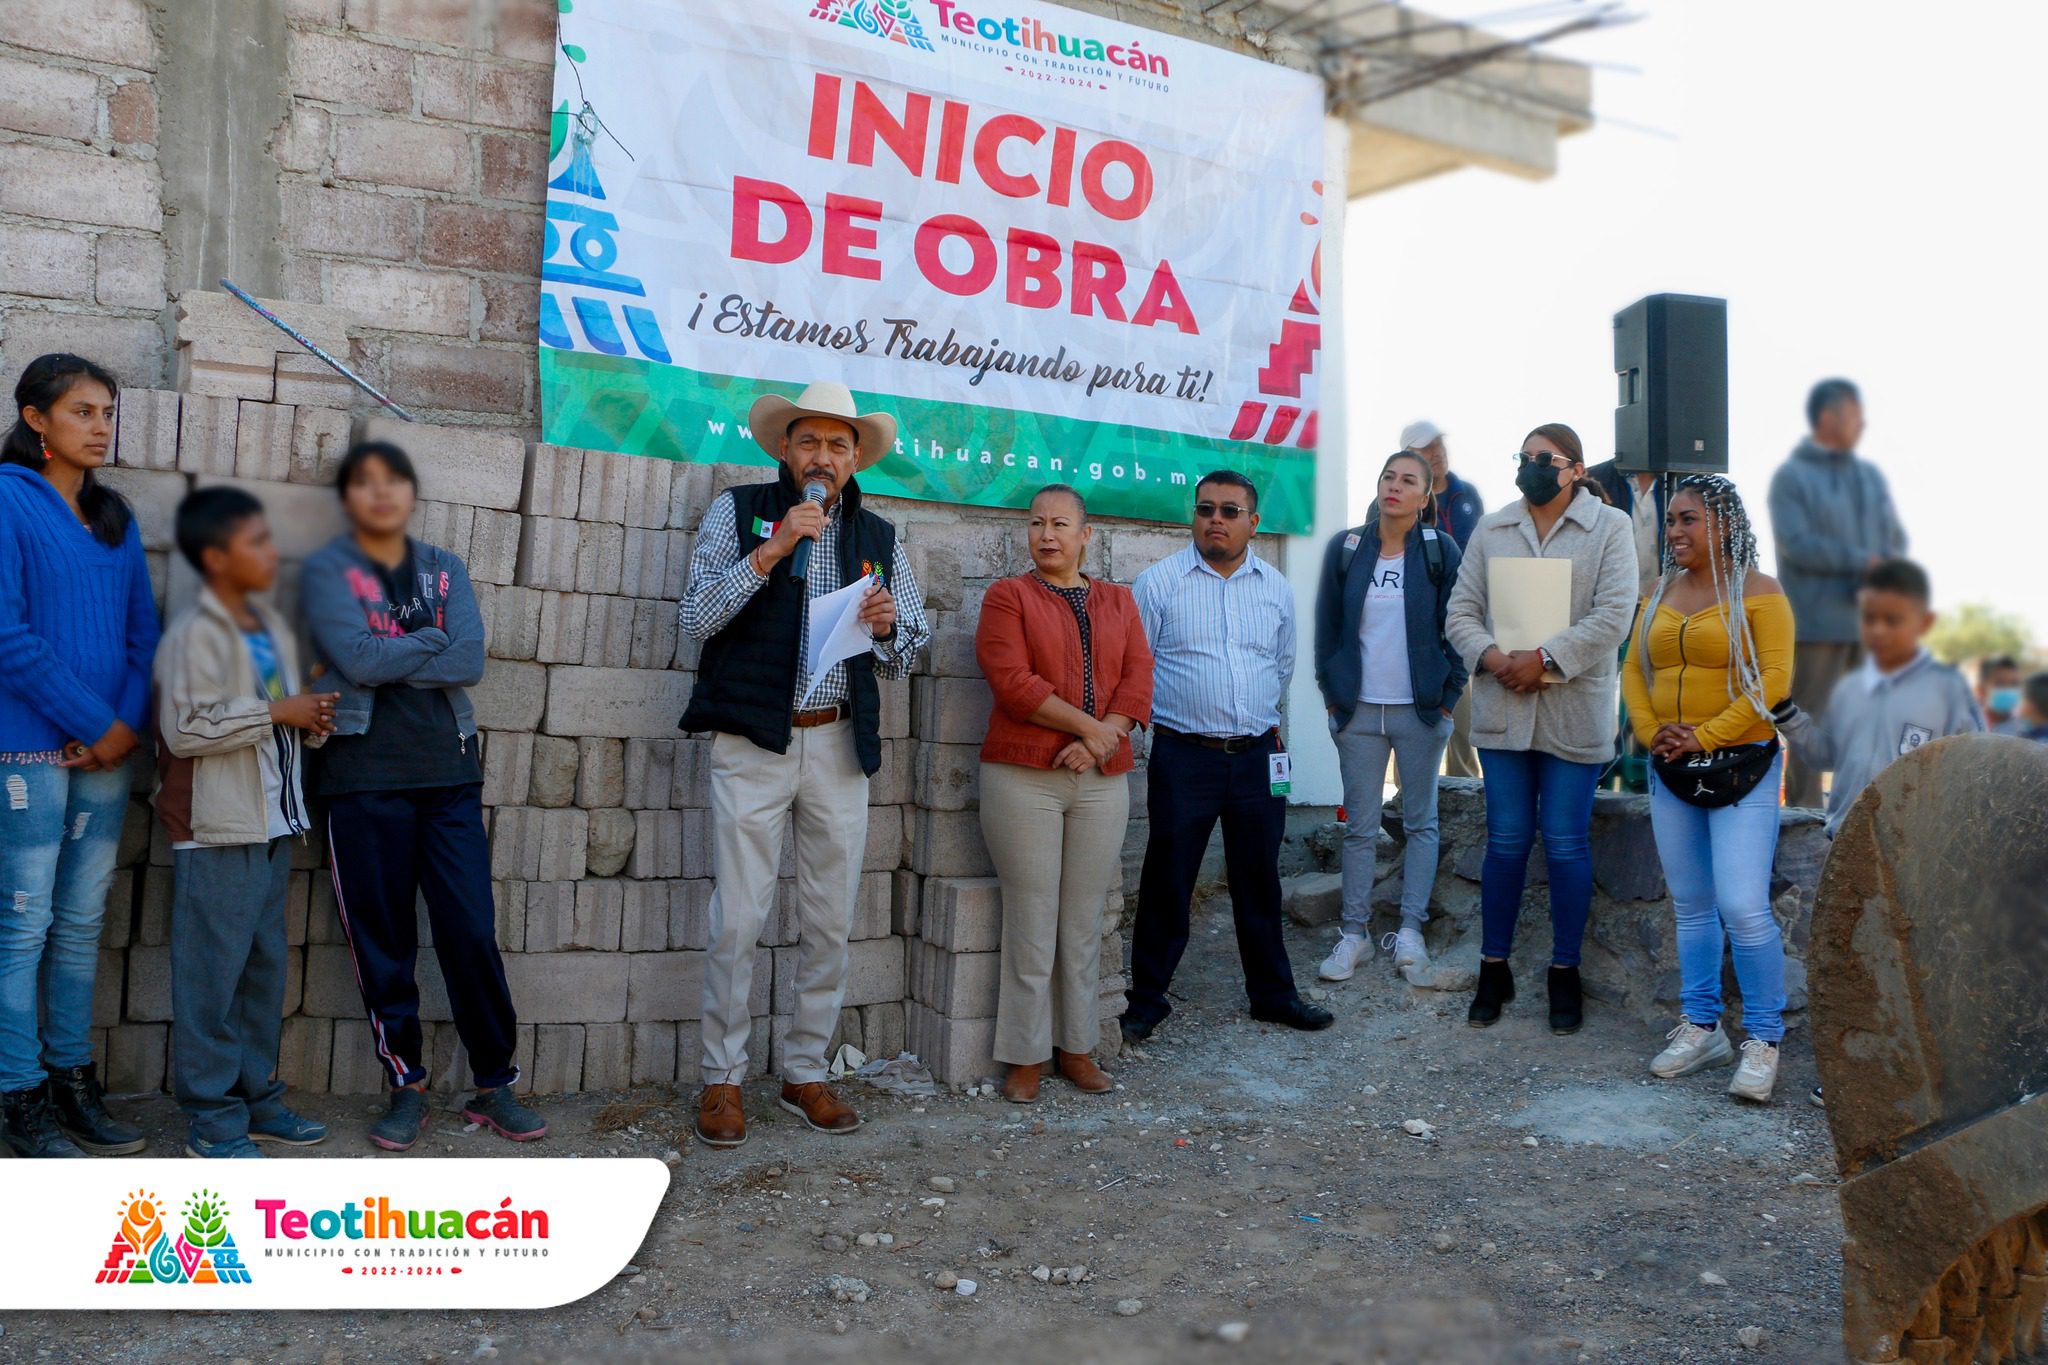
[
  {"x": 1458, "y": 509},
  {"x": 784, "y": 752}
]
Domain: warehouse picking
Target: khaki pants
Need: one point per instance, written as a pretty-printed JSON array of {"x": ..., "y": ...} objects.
[
  {"x": 1817, "y": 665},
  {"x": 1055, "y": 837},
  {"x": 754, "y": 797},
  {"x": 1460, "y": 758}
]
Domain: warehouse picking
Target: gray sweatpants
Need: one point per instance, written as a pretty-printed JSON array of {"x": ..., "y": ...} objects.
[
  {"x": 1418, "y": 749},
  {"x": 227, "y": 983}
]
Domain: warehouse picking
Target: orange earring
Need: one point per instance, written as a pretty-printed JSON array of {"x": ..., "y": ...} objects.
[{"x": 46, "y": 449}]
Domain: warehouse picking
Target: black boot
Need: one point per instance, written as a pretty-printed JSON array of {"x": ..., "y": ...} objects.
[
  {"x": 82, "y": 1113},
  {"x": 1567, "y": 1007},
  {"x": 1496, "y": 988},
  {"x": 29, "y": 1128}
]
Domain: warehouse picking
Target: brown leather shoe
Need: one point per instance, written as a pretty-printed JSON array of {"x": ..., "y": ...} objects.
[
  {"x": 1021, "y": 1085},
  {"x": 817, "y": 1106},
  {"x": 721, "y": 1118},
  {"x": 1080, "y": 1068}
]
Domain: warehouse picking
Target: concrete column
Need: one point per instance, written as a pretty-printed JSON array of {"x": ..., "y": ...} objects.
[
  {"x": 221, "y": 96},
  {"x": 1316, "y": 782}
]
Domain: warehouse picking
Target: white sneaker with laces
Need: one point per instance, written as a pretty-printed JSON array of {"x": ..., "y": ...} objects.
[
  {"x": 1343, "y": 960},
  {"x": 1758, "y": 1073},
  {"x": 1691, "y": 1048},
  {"x": 1407, "y": 948}
]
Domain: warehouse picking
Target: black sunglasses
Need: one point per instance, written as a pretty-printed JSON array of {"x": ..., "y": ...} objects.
[{"x": 1230, "y": 510}]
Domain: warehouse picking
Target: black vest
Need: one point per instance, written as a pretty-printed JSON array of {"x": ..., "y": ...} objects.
[{"x": 746, "y": 676}]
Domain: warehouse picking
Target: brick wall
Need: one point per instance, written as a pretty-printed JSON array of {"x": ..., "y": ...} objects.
[{"x": 81, "y": 215}]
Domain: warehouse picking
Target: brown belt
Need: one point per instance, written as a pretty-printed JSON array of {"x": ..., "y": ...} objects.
[
  {"x": 805, "y": 720},
  {"x": 1233, "y": 744}
]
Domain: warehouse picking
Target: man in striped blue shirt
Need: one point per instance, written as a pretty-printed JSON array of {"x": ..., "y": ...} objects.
[{"x": 1221, "y": 624}]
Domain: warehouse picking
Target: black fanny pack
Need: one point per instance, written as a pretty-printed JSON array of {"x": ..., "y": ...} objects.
[{"x": 1718, "y": 778}]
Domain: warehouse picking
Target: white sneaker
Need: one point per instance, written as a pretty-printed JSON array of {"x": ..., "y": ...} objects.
[
  {"x": 1407, "y": 948},
  {"x": 1343, "y": 960},
  {"x": 1691, "y": 1049},
  {"x": 1758, "y": 1072}
]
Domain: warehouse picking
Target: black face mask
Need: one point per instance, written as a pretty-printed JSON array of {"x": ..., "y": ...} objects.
[{"x": 1539, "y": 482}]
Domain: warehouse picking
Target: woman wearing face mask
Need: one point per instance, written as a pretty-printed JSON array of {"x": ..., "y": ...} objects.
[
  {"x": 1712, "y": 656},
  {"x": 1389, "y": 680},
  {"x": 1543, "y": 718},
  {"x": 1066, "y": 657}
]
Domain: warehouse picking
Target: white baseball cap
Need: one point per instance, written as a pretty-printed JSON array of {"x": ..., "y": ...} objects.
[{"x": 1416, "y": 435}]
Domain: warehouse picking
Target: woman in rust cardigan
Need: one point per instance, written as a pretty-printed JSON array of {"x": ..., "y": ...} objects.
[{"x": 1067, "y": 660}]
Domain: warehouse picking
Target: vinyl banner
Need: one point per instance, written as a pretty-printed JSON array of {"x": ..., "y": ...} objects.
[{"x": 1055, "y": 245}]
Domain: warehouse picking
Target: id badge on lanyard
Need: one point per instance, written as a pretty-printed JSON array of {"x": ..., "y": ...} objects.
[{"x": 1280, "y": 772}]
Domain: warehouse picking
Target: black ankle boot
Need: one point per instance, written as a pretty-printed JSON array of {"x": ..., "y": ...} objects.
[
  {"x": 29, "y": 1128},
  {"x": 1567, "y": 1005},
  {"x": 81, "y": 1109},
  {"x": 1496, "y": 988}
]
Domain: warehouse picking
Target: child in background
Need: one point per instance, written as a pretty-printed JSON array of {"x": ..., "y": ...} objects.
[
  {"x": 2031, "y": 720},
  {"x": 230, "y": 721},
  {"x": 1897, "y": 701}
]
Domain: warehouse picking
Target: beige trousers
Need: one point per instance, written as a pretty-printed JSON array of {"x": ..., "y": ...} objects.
[
  {"x": 1817, "y": 665},
  {"x": 754, "y": 797},
  {"x": 1056, "y": 838}
]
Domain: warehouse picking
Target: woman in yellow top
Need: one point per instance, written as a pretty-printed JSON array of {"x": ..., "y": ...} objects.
[{"x": 1711, "y": 657}]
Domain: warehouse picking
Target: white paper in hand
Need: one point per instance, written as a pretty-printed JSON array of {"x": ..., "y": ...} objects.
[{"x": 834, "y": 632}]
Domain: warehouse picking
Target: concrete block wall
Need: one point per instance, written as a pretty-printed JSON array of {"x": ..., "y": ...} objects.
[{"x": 597, "y": 806}]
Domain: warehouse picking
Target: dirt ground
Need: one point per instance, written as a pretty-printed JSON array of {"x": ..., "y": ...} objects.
[{"x": 1241, "y": 1177}]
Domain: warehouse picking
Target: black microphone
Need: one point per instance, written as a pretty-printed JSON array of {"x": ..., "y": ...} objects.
[{"x": 800, "y": 562}]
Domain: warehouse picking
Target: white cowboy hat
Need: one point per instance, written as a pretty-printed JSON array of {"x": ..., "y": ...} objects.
[{"x": 771, "y": 415}]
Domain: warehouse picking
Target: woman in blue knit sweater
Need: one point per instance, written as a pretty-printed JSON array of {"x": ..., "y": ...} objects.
[{"x": 78, "y": 628}]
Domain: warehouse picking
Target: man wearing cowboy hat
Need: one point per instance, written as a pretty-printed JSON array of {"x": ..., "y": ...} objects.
[{"x": 772, "y": 763}]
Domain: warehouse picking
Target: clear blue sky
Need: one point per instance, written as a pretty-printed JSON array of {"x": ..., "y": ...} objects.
[{"x": 1860, "y": 181}]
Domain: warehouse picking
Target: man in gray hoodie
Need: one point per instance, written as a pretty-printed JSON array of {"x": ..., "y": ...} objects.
[{"x": 1832, "y": 518}]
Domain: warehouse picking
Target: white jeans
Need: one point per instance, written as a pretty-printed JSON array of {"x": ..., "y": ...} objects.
[
  {"x": 754, "y": 796},
  {"x": 1418, "y": 749}
]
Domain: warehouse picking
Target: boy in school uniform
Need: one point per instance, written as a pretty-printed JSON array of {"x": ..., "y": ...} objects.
[
  {"x": 1899, "y": 699},
  {"x": 232, "y": 730}
]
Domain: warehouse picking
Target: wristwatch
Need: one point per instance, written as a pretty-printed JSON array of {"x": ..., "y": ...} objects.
[{"x": 1549, "y": 664}]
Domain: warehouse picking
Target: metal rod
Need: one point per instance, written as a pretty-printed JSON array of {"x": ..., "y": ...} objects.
[{"x": 296, "y": 335}]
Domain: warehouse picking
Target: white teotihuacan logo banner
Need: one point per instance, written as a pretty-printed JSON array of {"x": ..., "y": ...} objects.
[
  {"x": 458, "y": 1232},
  {"x": 1055, "y": 245}
]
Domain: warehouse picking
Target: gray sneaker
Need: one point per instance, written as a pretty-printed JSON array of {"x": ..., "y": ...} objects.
[
  {"x": 400, "y": 1128},
  {"x": 1691, "y": 1048},
  {"x": 498, "y": 1111}
]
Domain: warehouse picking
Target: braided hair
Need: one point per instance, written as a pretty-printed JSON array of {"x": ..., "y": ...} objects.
[{"x": 1730, "y": 558}]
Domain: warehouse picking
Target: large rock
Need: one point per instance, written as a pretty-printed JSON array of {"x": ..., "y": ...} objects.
[{"x": 1313, "y": 898}]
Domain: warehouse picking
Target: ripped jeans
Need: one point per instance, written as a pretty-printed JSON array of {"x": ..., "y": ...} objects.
[{"x": 60, "y": 831}]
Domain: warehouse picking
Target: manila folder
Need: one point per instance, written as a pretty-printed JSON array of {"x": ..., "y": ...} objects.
[{"x": 1531, "y": 601}]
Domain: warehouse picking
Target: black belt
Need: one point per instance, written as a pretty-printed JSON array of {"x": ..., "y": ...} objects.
[{"x": 1229, "y": 744}]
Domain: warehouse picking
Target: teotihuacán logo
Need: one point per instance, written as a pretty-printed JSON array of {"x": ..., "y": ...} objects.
[
  {"x": 198, "y": 1250},
  {"x": 890, "y": 19}
]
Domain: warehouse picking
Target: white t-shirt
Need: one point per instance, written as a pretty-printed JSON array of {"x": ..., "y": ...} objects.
[{"x": 1383, "y": 637}]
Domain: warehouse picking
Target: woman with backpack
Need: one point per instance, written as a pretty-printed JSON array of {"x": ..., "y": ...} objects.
[
  {"x": 1390, "y": 681},
  {"x": 1713, "y": 655}
]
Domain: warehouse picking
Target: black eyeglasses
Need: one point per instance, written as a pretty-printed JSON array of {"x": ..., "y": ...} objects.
[
  {"x": 1230, "y": 510},
  {"x": 1523, "y": 457}
]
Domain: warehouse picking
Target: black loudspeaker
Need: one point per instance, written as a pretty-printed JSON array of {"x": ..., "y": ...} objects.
[{"x": 1671, "y": 364}]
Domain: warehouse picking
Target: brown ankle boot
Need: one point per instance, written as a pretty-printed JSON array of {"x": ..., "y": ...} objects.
[
  {"x": 1021, "y": 1085},
  {"x": 721, "y": 1118},
  {"x": 1080, "y": 1068}
]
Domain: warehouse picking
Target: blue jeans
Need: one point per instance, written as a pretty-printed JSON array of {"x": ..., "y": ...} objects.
[
  {"x": 60, "y": 830},
  {"x": 1527, "y": 791},
  {"x": 1718, "y": 866}
]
